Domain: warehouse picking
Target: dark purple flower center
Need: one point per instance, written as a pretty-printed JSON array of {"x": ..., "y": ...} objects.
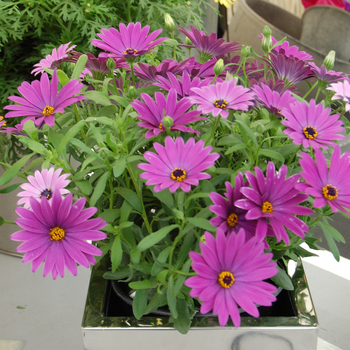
[
  {"x": 267, "y": 207},
  {"x": 310, "y": 132},
  {"x": 130, "y": 51},
  {"x": 330, "y": 192},
  {"x": 226, "y": 279},
  {"x": 232, "y": 220},
  {"x": 220, "y": 103},
  {"x": 46, "y": 193},
  {"x": 48, "y": 110},
  {"x": 178, "y": 175},
  {"x": 57, "y": 233}
]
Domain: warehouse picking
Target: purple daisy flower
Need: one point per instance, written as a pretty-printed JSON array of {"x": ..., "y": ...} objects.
[
  {"x": 328, "y": 185},
  {"x": 231, "y": 273},
  {"x": 276, "y": 103},
  {"x": 178, "y": 164},
  {"x": 274, "y": 85},
  {"x": 289, "y": 69},
  {"x": 41, "y": 101},
  {"x": 152, "y": 113},
  {"x": 53, "y": 61},
  {"x": 291, "y": 51},
  {"x": 216, "y": 99},
  {"x": 312, "y": 125},
  {"x": 182, "y": 85},
  {"x": 342, "y": 92},
  {"x": 43, "y": 184},
  {"x": 231, "y": 218},
  {"x": 274, "y": 199},
  {"x": 17, "y": 129},
  {"x": 325, "y": 76},
  {"x": 57, "y": 234},
  {"x": 202, "y": 70},
  {"x": 208, "y": 45},
  {"x": 129, "y": 42},
  {"x": 151, "y": 73}
]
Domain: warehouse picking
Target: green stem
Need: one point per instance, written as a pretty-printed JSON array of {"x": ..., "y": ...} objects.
[
  {"x": 312, "y": 87},
  {"x": 185, "y": 273},
  {"x": 132, "y": 73},
  {"x": 213, "y": 131}
]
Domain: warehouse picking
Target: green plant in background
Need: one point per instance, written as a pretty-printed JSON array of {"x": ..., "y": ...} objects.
[{"x": 29, "y": 30}]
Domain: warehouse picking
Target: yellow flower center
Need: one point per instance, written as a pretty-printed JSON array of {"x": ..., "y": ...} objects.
[
  {"x": 57, "y": 233},
  {"x": 220, "y": 103},
  {"x": 267, "y": 207},
  {"x": 130, "y": 51},
  {"x": 48, "y": 110},
  {"x": 178, "y": 175},
  {"x": 226, "y": 279},
  {"x": 330, "y": 192},
  {"x": 46, "y": 193},
  {"x": 232, "y": 220},
  {"x": 160, "y": 126},
  {"x": 310, "y": 132}
]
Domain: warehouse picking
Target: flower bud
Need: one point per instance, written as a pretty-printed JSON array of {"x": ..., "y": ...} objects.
[
  {"x": 111, "y": 63},
  {"x": 266, "y": 44},
  {"x": 188, "y": 41},
  {"x": 329, "y": 60},
  {"x": 266, "y": 32},
  {"x": 245, "y": 51},
  {"x": 219, "y": 67},
  {"x": 168, "y": 122},
  {"x": 132, "y": 93},
  {"x": 169, "y": 23}
]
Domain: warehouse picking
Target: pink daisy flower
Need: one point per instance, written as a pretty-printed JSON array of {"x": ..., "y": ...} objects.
[
  {"x": 41, "y": 101},
  {"x": 328, "y": 185},
  {"x": 178, "y": 164},
  {"x": 53, "y": 61},
  {"x": 274, "y": 200},
  {"x": 43, "y": 184},
  {"x": 57, "y": 234},
  {"x": 342, "y": 92},
  {"x": 312, "y": 125},
  {"x": 216, "y": 99},
  {"x": 152, "y": 113},
  {"x": 231, "y": 273},
  {"x": 129, "y": 42}
]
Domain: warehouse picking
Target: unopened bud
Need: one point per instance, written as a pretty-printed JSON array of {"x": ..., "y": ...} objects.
[
  {"x": 86, "y": 10},
  {"x": 169, "y": 23},
  {"x": 88, "y": 4},
  {"x": 111, "y": 63},
  {"x": 132, "y": 93},
  {"x": 168, "y": 122},
  {"x": 266, "y": 44},
  {"x": 219, "y": 67},
  {"x": 245, "y": 51},
  {"x": 266, "y": 32},
  {"x": 188, "y": 41},
  {"x": 329, "y": 60},
  {"x": 202, "y": 239}
]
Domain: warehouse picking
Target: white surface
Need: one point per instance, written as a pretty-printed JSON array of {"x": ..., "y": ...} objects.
[{"x": 324, "y": 345}]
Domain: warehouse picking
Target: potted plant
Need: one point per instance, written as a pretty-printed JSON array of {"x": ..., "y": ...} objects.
[{"x": 196, "y": 181}]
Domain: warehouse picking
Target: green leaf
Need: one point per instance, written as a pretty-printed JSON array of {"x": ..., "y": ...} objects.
[
  {"x": 120, "y": 100},
  {"x": 335, "y": 233},
  {"x": 181, "y": 278},
  {"x": 155, "y": 302},
  {"x": 161, "y": 259},
  {"x": 33, "y": 145},
  {"x": 135, "y": 256},
  {"x": 10, "y": 188},
  {"x": 245, "y": 130},
  {"x": 140, "y": 284},
  {"x": 155, "y": 237},
  {"x": 271, "y": 154},
  {"x": 118, "y": 275},
  {"x": 70, "y": 134},
  {"x": 79, "y": 66},
  {"x": 85, "y": 148},
  {"x": 62, "y": 77},
  {"x": 283, "y": 280},
  {"x": 236, "y": 148},
  {"x": 171, "y": 42},
  {"x": 196, "y": 195},
  {"x": 84, "y": 186},
  {"x": 99, "y": 97},
  {"x": 165, "y": 197},
  {"x": 171, "y": 300},
  {"x": 183, "y": 321},
  {"x": 119, "y": 167},
  {"x": 99, "y": 189},
  {"x": 11, "y": 173},
  {"x": 31, "y": 129},
  {"x": 131, "y": 197},
  {"x": 139, "y": 304},
  {"x": 110, "y": 215},
  {"x": 202, "y": 223},
  {"x": 116, "y": 253},
  {"x": 330, "y": 241}
]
